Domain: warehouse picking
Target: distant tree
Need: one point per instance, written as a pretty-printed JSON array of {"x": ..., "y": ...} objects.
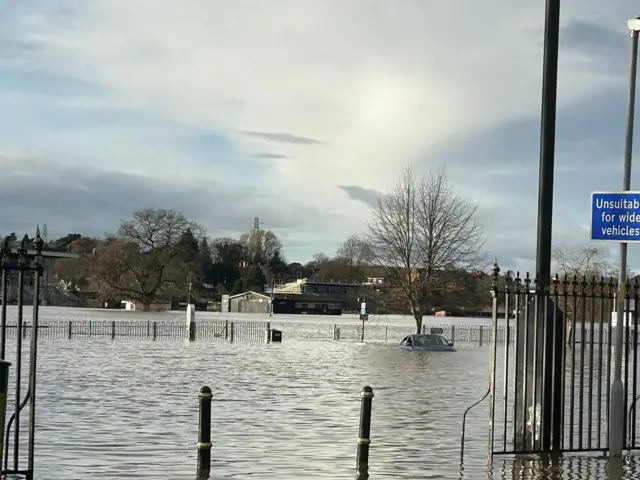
[
  {"x": 206, "y": 262},
  {"x": 421, "y": 235},
  {"x": 239, "y": 286},
  {"x": 261, "y": 246},
  {"x": 354, "y": 255},
  {"x": 256, "y": 279},
  {"x": 227, "y": 254},
  {"x": 574, "y": 266},
  {"x": 141, "y": 261},
  {"x": 582, "y": 260},
  {"x": 63, "y": 244}
]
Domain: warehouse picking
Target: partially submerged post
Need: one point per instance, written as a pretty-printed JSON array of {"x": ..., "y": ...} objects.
[
  {"x": 204, "y": 434},
  {"x": 364, "y": 440},
  {"x": 4, "y": 386}
]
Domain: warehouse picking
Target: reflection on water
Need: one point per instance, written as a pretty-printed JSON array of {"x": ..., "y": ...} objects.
[{"x": 128, "y": 409}]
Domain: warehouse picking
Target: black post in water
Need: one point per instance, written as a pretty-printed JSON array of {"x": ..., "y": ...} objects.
[
  {"x": 362, "y": 458},
  {"x": 542, "y": 373},
  {"x": 38, "y": 269},
  {"x": 204, "y": 434},
  {"x": 5, "y": 251}
]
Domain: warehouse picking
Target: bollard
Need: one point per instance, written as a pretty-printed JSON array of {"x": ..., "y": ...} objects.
[
  {"x": 362, "y": 458},
  {"x": 267, "y": 333},
  {"x": 204, "y": 434},
  {"x": 191, "y": 322}
]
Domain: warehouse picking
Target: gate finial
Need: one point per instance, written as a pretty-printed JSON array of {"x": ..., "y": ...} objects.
[{"x": 495, "y": 271}]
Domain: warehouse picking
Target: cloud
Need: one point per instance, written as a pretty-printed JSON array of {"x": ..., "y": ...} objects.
[
  {"x": 275, "y": 156},
  {"x": 36, "y": 190},
  {"x": 366, "y": 195},
  {"x": 284, "y": 138},
  {"x": 350, "y": 92}
]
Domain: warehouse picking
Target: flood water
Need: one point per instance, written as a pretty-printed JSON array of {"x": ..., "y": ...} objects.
[{"x": 128, "y": 408}]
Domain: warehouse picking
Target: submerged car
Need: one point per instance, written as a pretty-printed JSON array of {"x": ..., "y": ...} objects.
[{"x": 427, "y": 342}]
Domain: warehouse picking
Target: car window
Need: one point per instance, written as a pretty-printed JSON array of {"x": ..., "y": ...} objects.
[{"x": 439, "y": 340}]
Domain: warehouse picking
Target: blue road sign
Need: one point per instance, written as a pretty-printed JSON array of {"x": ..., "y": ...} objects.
[{"x": 615, "y": 217}]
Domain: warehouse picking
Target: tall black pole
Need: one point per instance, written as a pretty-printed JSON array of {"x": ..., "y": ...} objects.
[
  {"x": 540, "y": 338},
  {"x": 551, "y": 411}
]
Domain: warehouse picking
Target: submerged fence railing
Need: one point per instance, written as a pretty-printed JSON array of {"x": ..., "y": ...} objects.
[
  {"x": 479, "y": 335},
  {"x": 229, "y": 331},
  {"x": 255, "y": 332}
]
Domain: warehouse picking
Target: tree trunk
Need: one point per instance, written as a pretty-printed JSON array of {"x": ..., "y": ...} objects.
[
  {"x": 418, "y": 318},
  {"x": 417, "y": 315}
]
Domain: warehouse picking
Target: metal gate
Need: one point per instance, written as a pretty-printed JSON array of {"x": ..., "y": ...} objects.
[
  {"x": 550, "y": 380},
  {"x": 22, "y": 268}
]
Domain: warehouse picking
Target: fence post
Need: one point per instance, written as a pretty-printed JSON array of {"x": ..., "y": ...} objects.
[
  {"x": 69, "y": 330},
  {"x": 155, "y": 330},
  {"x": 480, "y": 336},
  {"x": 364, "y": 434},
  {"x": 191, "y": 321},
  {"x": 204, "y": 434},
  {"x": 113, "y": 330},
  {"x": 267, "y": 333},
  {"x": 232, "y": 331}
]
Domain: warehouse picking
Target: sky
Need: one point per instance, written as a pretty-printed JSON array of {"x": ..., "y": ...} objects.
[{"x": 303, "y": 112}]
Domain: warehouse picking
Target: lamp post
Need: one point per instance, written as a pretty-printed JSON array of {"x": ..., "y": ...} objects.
[
  {"x": 617, "y": 413},
  {"x": 542, "y": 372}
]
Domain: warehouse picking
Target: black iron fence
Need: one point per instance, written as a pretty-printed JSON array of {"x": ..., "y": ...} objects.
[
  {"x": 230, "y": 331},
  {"x": 550, "y": 382},
  {"x": 26, "y": 264}
]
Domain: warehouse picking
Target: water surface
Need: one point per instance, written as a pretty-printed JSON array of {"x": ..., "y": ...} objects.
[{"x": 128, "y": 408}]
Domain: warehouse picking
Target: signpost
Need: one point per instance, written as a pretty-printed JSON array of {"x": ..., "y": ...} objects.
[
  {"x": 363, "y": 316},
  {"x": 615, "y": 217}
]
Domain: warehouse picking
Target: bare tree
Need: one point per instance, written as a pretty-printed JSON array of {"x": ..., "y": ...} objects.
[
  {"x": 580, "y": 269},
  {"x": 421, "y": 235},
  {"x": 582, "y": 260},
  {"x": 262, "y": 245},
  {"x": 355, "y": 255},
  {"x": 139, "y": 262}
]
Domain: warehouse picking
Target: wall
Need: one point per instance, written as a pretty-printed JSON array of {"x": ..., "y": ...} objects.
[{"x": 249, "y": 304}]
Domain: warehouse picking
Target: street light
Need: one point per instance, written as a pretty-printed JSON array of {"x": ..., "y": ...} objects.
[{"x": 617, "y": 413}]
